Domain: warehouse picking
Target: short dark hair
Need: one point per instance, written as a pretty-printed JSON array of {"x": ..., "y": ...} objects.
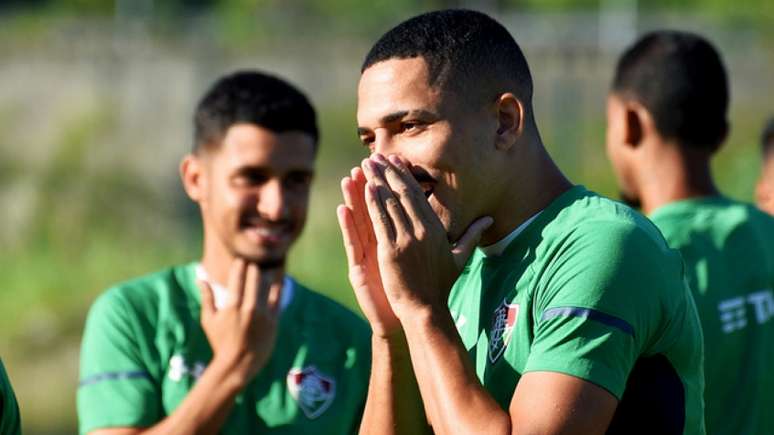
[
  {"x": 463, "y": 49},
  {"x": 680, "y": 79},
  {"x": 251, "y": 97},
  {"x": 767, "y": 138}
]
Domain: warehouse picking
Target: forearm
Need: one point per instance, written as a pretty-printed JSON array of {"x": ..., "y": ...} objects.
[
  {"x": 453, "y": 395},
  {"x": 394, "y": 405},
  {"x": 206, "y": 407}
]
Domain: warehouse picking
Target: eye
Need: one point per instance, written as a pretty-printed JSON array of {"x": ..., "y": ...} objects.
[
  {"x": 367, "y": 141},
  {"x": 298, "y": 180},
  {"x": 247, "y": 179},
  {"x": 411, "y": 126}
]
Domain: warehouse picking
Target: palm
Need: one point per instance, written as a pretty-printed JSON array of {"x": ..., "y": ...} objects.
[
  {"x": 360, "y": 245},
  {"x": 369, "y": 291}
]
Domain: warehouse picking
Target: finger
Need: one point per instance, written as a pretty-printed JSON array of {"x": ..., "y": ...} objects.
[
  {"x": 360, "y": 209},
  {"x": 208, "y": 300},
  {"x": 353, "y": 189},
  {"x": 252, "y": 279},
  {"x": 352, "y": 244},
  {"x": 236, "y": 282},
  {"x": 382, "y": 224},
  {"x": 408, "y": 191},
  {"x": 374, "y": 171},
  {"x": 275, "y": 297},
  {"x": 469, "y": 240}
]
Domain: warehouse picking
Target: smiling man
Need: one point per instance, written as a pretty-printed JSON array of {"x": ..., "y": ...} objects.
[
  {"x": 571, "y": 316},
  {"x": 248, "y": 349},
  {"x": 667, "y": 118}
]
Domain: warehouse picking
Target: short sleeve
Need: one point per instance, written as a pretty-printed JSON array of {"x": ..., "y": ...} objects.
[
  {"x": 596, "y": 303},
  {"x": 116, "y": 388}
]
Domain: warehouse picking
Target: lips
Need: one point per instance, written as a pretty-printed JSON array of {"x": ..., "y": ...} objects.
[
  {"x": 425, "y": 180},
  {"x": 262, "y": 232}
]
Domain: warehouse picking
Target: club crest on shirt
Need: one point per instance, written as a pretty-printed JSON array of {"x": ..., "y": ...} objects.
[
  {"x": 503, "y": 321},
  {"x": 313, "y": 391}
]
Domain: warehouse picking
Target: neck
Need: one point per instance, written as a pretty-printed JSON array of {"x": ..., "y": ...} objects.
[
  {"x": 529, "y": 190},
  {"x": 677, "y": 174},
  {"x": 216, "y": 260}
]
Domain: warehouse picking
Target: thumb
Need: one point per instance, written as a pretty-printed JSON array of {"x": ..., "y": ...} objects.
[
  {"x": 464, "y": 246},
  {"x": 208, "y": 300}
]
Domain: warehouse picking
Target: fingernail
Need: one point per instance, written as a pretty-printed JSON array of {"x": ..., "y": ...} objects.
[
  {"x": 395, "y": 160},
  {"x": 379, "y": 158}
]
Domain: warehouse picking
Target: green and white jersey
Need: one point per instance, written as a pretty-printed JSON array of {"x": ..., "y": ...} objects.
[
  {"x": 144, "y": 348},
  {"x": 728, "y": 249},
  {"x": 588, "y": 288},
  {"x": 10, "y": 422}
]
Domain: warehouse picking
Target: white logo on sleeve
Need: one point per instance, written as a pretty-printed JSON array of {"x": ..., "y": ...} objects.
[
  {"x": 178, "y": 368},
  {"x": 313, "y": 391},
  {"x": 733, "y": 312}
]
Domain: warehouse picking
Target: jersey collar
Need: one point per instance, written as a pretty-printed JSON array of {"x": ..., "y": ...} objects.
[
  {"x": 498, "y": 247},
  {"x": 221, "y": 293}
]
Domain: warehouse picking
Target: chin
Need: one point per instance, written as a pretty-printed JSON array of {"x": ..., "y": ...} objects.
[{"x": 265, "y": 259}]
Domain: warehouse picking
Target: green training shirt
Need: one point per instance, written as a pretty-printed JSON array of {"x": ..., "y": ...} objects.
[
  {"x": 143, "y": 349},
  {"x": 10, "y": 422},
  {"x": 728, "y": 249},
  {"x": 590, "y": 289}
]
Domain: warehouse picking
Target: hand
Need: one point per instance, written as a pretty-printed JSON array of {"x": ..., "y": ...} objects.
[
  {"x": 418, "y": 264},
  {"x": 360, "y": 246},
  {"x": 242, "y": 334}
]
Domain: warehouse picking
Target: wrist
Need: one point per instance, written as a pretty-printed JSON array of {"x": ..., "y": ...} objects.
[
  {"x": 424, "y": 318},
  {"x": 229, "y": 374}
]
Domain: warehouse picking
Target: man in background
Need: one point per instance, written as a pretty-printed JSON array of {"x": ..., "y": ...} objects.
[
  {"x": 667, "y": 117},
  {"x": 764, "y": 190},
  {"x": 248, "y": 350},
  {"x": 10, "y": 421}
]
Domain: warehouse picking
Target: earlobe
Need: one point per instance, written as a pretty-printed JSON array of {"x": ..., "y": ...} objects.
[{"x": 510, "y": 120}]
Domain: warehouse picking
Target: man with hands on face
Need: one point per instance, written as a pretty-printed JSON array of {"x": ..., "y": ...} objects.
[
  {"x": 231, "y": 344},
  {"x": 502, "y": 298}
]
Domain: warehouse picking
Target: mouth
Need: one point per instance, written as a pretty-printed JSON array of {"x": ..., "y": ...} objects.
[
  {"x": 425, "y": 180},
  {"x": 263, "y": 233}
]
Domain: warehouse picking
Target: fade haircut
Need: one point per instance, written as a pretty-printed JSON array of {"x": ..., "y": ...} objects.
[
  {"x": 680, "y": 79},
  {"x": 255, "y": 98},
  {"x": 767, "y": 139},
  {"x": 464, "y": 50}
]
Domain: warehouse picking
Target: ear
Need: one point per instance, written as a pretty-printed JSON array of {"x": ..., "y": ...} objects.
[
  {"x": 193, "y": 177},
  {"x": 510, "y": 120},
  {"x": 634, "y": 124}
]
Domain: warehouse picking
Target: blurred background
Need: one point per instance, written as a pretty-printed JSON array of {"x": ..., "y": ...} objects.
[{"x": 96, "y": 98}]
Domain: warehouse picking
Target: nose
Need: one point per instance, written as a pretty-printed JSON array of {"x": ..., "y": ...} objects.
[
  {"x": 383, "y": 143},
  {"x": 272, "y": 204}
]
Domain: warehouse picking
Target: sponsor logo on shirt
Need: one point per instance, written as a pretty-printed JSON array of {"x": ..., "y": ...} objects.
[
  {"x": 313, "y": 391},
  {"x": 503, "y": 321},
  {"x": 733, "y": 312}
]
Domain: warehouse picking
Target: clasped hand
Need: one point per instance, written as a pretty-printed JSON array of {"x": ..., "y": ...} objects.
[{"x": 400, "y": 259}]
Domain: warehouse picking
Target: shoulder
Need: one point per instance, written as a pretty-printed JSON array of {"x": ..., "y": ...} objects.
[
  {"x": 135, "y": 296},
  {"x": 598, "y": 225},
  {"x": 322, "y": 310},
  {"x": 601, "y": 252}
]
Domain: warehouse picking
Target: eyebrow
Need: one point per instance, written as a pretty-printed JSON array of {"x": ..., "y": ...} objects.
[{"x": 396, "y": 116}]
